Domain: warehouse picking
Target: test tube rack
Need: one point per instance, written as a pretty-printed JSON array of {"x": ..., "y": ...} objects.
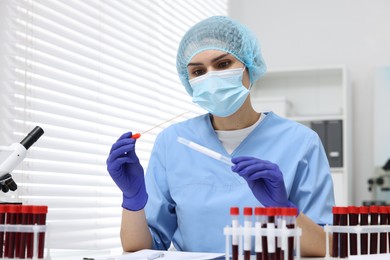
[
  {"x": 14, "y": 230},
  {"x": 358, "y": 230},
  {"x": 277, "y": 236}
]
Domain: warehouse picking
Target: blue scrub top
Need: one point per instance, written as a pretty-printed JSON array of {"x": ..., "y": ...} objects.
[{"x": 190, "y": 194}]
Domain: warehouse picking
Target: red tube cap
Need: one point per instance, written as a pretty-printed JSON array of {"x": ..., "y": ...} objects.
[{"x": 234, "y": 211}]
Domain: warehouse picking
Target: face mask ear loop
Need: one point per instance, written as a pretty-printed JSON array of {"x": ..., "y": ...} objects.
[{"x": 250, "y": 87}]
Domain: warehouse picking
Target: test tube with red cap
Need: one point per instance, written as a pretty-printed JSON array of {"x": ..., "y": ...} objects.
[
  {"x": 248, "y": 212},
  {"x": 3, "y": 210},
  {"x": 271, "y": 242},
  {"x": 383, "y": 235},
  {"x": 374, "y": 220},
  {"x": 234, "y": 212},
  {"x": 289, "y": 214},
  {"x": 364, "y": 211},
  {"x": 11, "y": 219},
  {"x": 353, "y": 219},
  {"x": 40, "y": 219},
  {"x": 336, "y": 222},
  {"x": 260, "y": 219},
  {"x": 343, "y": 211}
]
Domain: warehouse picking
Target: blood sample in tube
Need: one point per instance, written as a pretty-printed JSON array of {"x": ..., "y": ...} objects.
[
  {"x": 336, "y": 222},
  {"x": 271, "y": 221},
  {"x": 374, "y": 217},
  {"x": 278, "y": 242},
  {"x": 23, "y": 236},
  {"x": 248, "y": 212},
  {"x": 234, "y": 212},
  {"x": 3, "y": 209},
  {"x": 290, "y": 216},
  {"x": 364, "y": 210},
  {"x": 12, "y": 211},
  {"x": 343, "y": 236},
  {"x": 41, "y": 212},
  {"x": 353, "y": 219},
  {"x": 260, "y": 219},
  {"x": 383, "y": 235}
]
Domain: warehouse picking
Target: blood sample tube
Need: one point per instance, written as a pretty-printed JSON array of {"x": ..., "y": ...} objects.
[
  {"x": 41, "y": 212},
  {"x": 343, "y": 236},
  {"x": 290, "y": 217},
  {"x": 30, "y": 235},
  {"x": 3, "y": 210},
  {"x": 383, "y": 235},
  {"x": 353, "y": 219},
  {"x": 364, "y": 210},
  {"x": 248, "y": 212},
  {"x": 234, "y": 212},
  {"x": 388, "y": 221},
  {"x": 278, "y": 224},
  {"x": 23, "y": 236},
  {"x": 336, "y": 222},
  {"x": 260, "y": 219},
  {"x": 271, "y": 241},
  {"x": 374, "y": 214},
  {"x": 11, "y": 218}
]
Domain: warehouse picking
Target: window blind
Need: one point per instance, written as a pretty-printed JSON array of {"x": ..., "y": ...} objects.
[{"x": 86, "y": 72}]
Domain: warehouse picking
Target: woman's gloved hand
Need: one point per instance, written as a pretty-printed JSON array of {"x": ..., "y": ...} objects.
[
  {"x": 265, "y": 180},
  {"x": 127, "y": 172}
]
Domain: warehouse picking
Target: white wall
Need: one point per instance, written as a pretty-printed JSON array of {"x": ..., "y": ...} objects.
[{"x": 354, "y": 33}]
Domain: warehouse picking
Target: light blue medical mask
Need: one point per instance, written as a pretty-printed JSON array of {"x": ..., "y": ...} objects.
[{"x": 220, "y": 92}]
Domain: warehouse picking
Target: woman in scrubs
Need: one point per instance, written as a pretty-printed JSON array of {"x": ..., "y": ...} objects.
[{"x": 184, "y": 198}]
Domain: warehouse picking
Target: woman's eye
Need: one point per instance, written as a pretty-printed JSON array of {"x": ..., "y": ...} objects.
[
  {"x": 223, "y": 64},
  {"x": 198, "y": 73}
]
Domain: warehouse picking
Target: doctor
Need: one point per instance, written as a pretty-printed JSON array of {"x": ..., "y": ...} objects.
[{"x": 185, "y": 196}]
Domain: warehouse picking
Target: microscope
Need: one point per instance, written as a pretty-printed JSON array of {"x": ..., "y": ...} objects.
[
  {"x": 379, "y": 186},
  {"x": 11, "y": 156}
]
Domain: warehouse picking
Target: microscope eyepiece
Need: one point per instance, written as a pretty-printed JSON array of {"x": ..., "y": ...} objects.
[{"x": 32, "y": 137}]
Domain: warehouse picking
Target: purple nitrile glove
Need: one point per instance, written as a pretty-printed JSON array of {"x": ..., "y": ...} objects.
[
  {"x": 127, "y": 172},
  {"x": 265, "y": 180}
]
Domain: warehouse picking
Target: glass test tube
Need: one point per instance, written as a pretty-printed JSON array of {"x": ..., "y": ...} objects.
[
  {"x": 353, "y": 218},
  {"x": 248, "y": 212},
  {"x": 290, "y": 215},
  {"x": 271, "y": 241},
  {"x": 374, "y": 214},
  {"x": 278, "y": 224},
  {"x": 336, "y": 222},
  {"x": 234, "y": 212},
  {"x": 3, "y": 210},
  {"x": 41, "y": 212},
  {"x": 9, "y": 243},
  {"x": 260, "y": 220},
  {"x": 23, "y": 236},
  {"x": 383, "y": 235},
  {"x": 363, "y": 211},
  {"x": 343, "y": 236}
]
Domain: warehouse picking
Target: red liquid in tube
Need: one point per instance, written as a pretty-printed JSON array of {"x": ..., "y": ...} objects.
[
  {"x": 290, "y": 216},
  {"x": 383, "y": 235},
  {"x": 364, "y": 211},
  {"x": 248, "y": 212},
  {"x": 335, "y": 235},
  {"x": 343, "y": 236},
  {"x": 3, "y": 210},
  {"x": 260, "y": 214},
  {"x": 271, "y": 212},
  {"x": 374, "y": 216},
  {"x": 234, "y": 212},
  {"x": 353, "y": 218}
]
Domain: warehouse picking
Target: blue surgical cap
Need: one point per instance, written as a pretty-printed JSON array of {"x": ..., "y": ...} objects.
[{"x": 224, "y": 34}]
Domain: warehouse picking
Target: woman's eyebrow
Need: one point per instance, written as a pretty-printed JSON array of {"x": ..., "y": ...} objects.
[{"x": 213, "y": 60}]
